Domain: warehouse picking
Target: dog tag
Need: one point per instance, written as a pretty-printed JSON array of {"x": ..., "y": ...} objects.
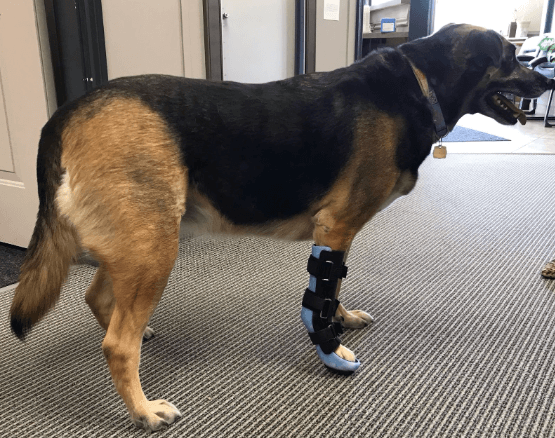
[{"x": 440, "y": 152}]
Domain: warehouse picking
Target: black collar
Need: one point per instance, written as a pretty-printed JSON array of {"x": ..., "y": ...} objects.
[{"x": 437, "y": 114}]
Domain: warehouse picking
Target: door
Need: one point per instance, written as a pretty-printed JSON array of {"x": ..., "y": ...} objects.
[
  {"x": 23, "y": 112},
  {"x": 335, "y": 35},
  {"x": 258, "y": 40},
  {"x": 145, "y": 36}
]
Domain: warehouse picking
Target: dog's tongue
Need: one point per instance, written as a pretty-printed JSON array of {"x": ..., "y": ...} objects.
[
  {"x": 518, "y": 113},
  {"x": 522, "y": 118}
]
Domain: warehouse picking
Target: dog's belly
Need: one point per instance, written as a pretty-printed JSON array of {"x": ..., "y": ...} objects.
[
  {"x": 405, "y": 183},
  {"x": 202, "y": 218}
]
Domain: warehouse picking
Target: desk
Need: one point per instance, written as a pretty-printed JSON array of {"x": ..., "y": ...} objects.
[
  {"x": 385, "y": 35},
  {"x": 517, "y": 41}
]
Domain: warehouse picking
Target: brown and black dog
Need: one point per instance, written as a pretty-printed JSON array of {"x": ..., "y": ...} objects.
[{"x": 310, "y": 157}]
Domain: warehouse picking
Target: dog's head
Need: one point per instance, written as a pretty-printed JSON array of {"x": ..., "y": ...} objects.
[{"x": 469, "y": 67}]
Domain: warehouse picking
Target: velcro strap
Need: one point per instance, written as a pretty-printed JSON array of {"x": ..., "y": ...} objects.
[
  {"x": 327, "y": 338},
  {"x": 326, "y": 288},
  {"x": 326, "y": 307},
  {"x": 327, "y": 267}
]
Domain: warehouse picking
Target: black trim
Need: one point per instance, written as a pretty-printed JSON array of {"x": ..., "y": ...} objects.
[
  {"x": 55, "y": 54},
  {"x": 549, "y": 16},
  {"x": 421, "y": 18},
  {"x": 358, "y": 29},
  {"x": 300, "y": 34},
  {"x": 92, "y": 42},
  {"x": 77, "y": 46},
  {"x": 213, "y": 39},
  {"x": 310, "y": 46}
]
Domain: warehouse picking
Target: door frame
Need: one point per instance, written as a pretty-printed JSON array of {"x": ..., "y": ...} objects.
[
  {"x": 76, "y": 37},
  {"x": 421, "y": 18},
  {"x": 213, "y": 39}
]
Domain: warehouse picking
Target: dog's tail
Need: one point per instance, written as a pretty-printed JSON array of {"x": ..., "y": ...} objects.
[{"x": 53, "y": 244}]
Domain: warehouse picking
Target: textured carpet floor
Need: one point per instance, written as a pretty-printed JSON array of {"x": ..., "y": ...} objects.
[
  {"x": 11, "y": 258},
  {"x": 462, "y": 345},
  {"x": 460, "y": 133}
]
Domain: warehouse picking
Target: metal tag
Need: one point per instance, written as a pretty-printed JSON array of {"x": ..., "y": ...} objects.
[{"x": 440, "y": 152}]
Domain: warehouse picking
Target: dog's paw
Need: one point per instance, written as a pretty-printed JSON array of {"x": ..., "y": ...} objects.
[
  {"x": 148, "y": 334},
  {"x": 352, "y": 319},
  {"x": 548, "y": 270},
  {"x": 157, "y": 415},
  {"x": 345, "y": 353}
]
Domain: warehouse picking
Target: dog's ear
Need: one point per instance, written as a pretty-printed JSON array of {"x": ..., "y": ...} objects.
[{"x": 486, "y": 49}]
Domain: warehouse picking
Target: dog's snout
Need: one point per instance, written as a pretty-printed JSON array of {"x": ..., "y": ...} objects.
[{"x": 551, "y": 84}]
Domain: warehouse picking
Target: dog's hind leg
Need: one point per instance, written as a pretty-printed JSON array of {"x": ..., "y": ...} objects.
[
  {"x": 138, "y": 281},
  {"x": 101, "y": 300},
  {"x": 100, "y": 297}
]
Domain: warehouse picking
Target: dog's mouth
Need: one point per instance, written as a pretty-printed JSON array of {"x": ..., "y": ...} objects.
[{"x": 505, "y": 109}]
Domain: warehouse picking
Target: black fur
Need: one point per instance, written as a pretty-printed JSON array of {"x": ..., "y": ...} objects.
[{"x": 281, "y": 145}]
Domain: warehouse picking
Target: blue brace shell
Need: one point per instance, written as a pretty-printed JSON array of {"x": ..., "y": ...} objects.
[{"x": 319, "y": 306}]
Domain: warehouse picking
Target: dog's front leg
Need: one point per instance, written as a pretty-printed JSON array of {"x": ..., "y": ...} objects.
[
  {"x": 332, "y": 238},
  {"x": 351, "y": 319}
]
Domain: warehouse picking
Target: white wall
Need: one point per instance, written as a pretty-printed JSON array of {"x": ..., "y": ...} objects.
[
  {"x": 492, "y": 14},
  {"x": 529, "y": 10}
]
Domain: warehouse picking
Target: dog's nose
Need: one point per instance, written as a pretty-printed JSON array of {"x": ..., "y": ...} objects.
[{"x": 552, "y": 84}]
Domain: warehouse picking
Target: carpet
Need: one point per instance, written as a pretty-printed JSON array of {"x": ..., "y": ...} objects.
[
  {"x": 11, "y": 258},
  {"x": 462, "y": 344},
  {"x": 460, "y": 134}
]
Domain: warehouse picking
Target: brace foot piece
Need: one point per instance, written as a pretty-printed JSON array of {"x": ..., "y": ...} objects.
[{"x": 341, "y": 359}]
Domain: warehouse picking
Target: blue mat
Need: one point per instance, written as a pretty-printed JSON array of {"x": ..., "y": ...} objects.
[{"x": 466, "y": 134}]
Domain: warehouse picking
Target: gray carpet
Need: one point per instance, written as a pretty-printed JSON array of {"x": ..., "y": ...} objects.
[
  {"x": 11, "y": 258},
  {"x": 460, "y": 133},
  {"x": 462, "y": 345}
]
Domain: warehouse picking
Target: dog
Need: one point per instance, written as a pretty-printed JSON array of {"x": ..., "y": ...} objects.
[{"x": 121, "y": 169}]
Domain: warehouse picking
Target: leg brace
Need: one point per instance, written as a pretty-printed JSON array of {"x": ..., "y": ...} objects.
[{"x": 319, "y": 306}]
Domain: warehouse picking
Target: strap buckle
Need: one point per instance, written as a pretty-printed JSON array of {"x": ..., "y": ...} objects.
[
  {"x": 326, "y": 307},
  {"x": 327, "y": 338}
]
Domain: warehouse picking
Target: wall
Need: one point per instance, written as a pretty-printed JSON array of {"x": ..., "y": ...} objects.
[
  {"x": 529, "y": 10},
  {"x": 492, "y": 14}
]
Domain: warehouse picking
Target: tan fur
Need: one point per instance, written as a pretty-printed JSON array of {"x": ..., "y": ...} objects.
[
  {"x": 124, "y": 190},
  {"x": 363, "y": 185},
  {"x": 45, "y": 268}
]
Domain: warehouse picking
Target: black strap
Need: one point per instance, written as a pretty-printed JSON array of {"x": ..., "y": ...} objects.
[
  {"x": 326, "y": 307},
  {"x": 328, "y": 267},
  {"x": 326, "y": 288},
  {"x": 437, "y": 114},
  {"x": 327, "y": 338}
]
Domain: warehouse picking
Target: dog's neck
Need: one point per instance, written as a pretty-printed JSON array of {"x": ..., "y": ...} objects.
[{"x": 428, "y": 91}]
